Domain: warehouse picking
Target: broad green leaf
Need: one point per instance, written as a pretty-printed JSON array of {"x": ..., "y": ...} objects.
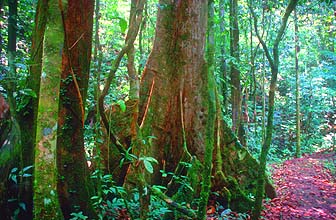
[
  {"x": 27, "y": 168},
  {"x": 28, "y": 92},
  {"x": 22, "y": 205},
  {"x": 148, "y": 166},
  {"x": 13, "y": 178},
  {"x": 14, "y": 170},
  {"x": 150, "y": 159},
  {"x": 122, "y": 105},
  {"x": 123, "y": 24}
]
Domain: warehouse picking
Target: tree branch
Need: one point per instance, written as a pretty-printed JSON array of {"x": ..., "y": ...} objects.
[{"x": 132, "y": 33}]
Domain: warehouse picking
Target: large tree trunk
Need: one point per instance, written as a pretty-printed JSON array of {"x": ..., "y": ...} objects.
[
  {"x": 74, "y": 186},
  {"x": 174, "y": 113},
  {"x": 173, "y": 105}
]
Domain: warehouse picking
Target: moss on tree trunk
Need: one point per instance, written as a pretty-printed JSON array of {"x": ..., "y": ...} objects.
[
  {"x": 46, "y": 205},
  {"x": 174, "y": 108}
]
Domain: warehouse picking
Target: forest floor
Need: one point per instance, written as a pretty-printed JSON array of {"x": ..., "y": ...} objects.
[{"x": 306, "y": 189}]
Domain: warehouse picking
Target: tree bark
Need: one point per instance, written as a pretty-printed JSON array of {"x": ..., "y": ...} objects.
[
  {"x": 175, "y": 117},
  {"x": 46, "y": 204},
  {"x": 173, "y": 88},
  {"x": 22, "y": 130},
  {"x": 211, "y": 119},
  {"x": 11, "y": 52},
  {"x": 174, "y": 103},
  {"x": 236, "y": 95},
  {"x": 74, "y": 185}
]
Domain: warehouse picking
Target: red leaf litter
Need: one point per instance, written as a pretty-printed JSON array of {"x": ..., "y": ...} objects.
[{"x": 306, "y": 189}]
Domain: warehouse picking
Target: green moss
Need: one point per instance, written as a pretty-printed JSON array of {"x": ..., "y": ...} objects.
[{"x": 239, "y": 200}]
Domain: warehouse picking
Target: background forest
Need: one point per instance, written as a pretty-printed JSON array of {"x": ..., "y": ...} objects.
[{"x": 143, "y": 109}]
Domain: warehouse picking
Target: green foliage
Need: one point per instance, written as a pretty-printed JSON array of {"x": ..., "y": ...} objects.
[
  {"x": 122, "y": 105},
  {"x": 148, "y": 163},
  {"x": 113, "y": 201},
  {"x": 330, "y": 165},
  {"x": 122, "y": 24},
  {"x": 317, "y": 86},
  {"x": 17, "y": 177},
  {"x": 317, "y": 59},
  {"x": 78, "y": 216},
  {"x": 15, "y": 174}
]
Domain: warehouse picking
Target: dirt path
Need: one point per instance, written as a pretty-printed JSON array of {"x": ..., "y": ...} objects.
[{"x": 306, "y": 189}]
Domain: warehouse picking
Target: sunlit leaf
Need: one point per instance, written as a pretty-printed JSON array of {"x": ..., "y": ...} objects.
[
  {"x": 123, "y": 25},
  {"x": 148, "y": 166},
  {"x": 122, "y": 105}
]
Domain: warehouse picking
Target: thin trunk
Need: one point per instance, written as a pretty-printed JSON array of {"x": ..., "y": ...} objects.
[
  {"x": 137, "y": 172},
  {"x": 297, "y": 92},
  {"x": 235, "y": 73},
  {"x": 2, "y": 26},
  {"x": 132, "y": 73},
  {"x": 274, "y": 63},
  {"x": 142, "y": 40},
  {"x": 253, "y": 54},
  {"x": 263, "y": 111},
  {"x": 130, "y": 38},
  {"x": 211, "y": 119},
  {"x": 11, "y": 54},
  {"x": 46, "y": 204},
  {"x": 223, "y": 65},
  {"x": 27, "y": 115},
  {"x": 97, "y": 60}
]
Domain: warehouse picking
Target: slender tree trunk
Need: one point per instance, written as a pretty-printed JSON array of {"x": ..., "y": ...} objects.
[
  {"x": 27, "y": 116},
  {"x": 136, "y": 173},
  {"x": 11, "y": 54},
  {"x": 263, "y": 111},
  {"x": 94, "y": 114},
  {"x": 46, "y": 205},
  {"x": 25, "y": 125},
  {"x": 274, "y": 63},
  {"x": 297, "y": 84},
  {"x": 211, "y": 119},
  {"x": 223, "y": 65},
  {"x": 236, "y": 95},
  {"x": 77, "y": 17},
  {"x": 2, "y": 26},
  {"x": 132, "y": 73}
]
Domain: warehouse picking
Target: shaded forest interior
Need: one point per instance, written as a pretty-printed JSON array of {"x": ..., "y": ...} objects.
[{"x": 143, "y": 109}]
